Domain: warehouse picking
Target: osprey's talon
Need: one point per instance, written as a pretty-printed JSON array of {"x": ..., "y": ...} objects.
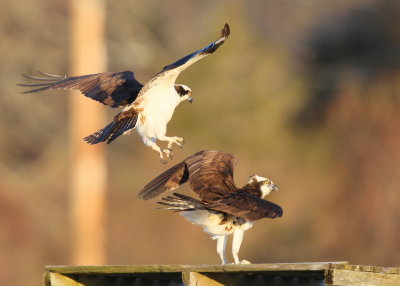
[
  {"x": 179, "y": 142},
  {"x": 245, "y": 262},
  {"x": 168, "y": 152},
  {"x": 164, "y": 161}
]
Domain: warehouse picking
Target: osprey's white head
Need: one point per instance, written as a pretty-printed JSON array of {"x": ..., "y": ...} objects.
[
  {"x": 266, "y": 185},
  {"x": 184, "y": 92}
]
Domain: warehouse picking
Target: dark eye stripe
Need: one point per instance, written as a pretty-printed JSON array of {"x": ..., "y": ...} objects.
[{"x": 181, "y": 91}]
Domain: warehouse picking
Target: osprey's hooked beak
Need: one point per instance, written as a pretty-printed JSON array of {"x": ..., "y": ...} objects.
[
  {"x": 274, "y": 188},
  {"x": 190, "y": 99}
]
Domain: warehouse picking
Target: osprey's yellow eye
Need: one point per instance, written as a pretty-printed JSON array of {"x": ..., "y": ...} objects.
[{"x": 266, "y": 182}]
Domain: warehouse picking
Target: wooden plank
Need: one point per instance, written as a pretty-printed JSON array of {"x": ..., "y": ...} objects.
[
  {"x": 196, "y": 279},
  {"x": 318, "y": 266},
  {"x": 363, "y": 278},
  {"x": 256, "y": 278},
  {"x": 333, "y": 273},
  {"x": 375, "y": 269},
  {"x": 57, "y": 279}
]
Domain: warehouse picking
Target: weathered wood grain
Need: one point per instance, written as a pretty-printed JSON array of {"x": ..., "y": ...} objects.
[
  {"x": 319, "y": 273},
  {"x": 364, "y": 278},
  {"x": 196, "y": 268}
]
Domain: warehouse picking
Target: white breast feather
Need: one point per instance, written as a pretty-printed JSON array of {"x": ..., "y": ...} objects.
[
  {"x": 158, "y": 105},
  {"x": 211, "y": 222}
]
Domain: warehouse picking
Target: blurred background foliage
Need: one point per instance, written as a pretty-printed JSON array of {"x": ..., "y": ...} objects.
[{"x": 303, "y": 92}]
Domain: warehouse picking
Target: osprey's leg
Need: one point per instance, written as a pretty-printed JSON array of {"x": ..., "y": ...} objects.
[
  {"x": 237, "y": 241},
  {"x": 160, "y": 151},
  {"x": 221, "y": 245}
]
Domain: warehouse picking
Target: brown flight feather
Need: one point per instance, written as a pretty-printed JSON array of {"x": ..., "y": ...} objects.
[
  {"x": 114, "y": 89},
  {"x": 167, "y": 181}
]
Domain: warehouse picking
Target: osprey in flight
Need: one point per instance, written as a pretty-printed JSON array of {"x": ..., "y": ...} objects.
[
  {"x": 223, "y": 208},
  {"x": 147, "y": 107}
]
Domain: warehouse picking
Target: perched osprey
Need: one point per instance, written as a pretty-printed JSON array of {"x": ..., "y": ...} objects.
[
  {"x": 148, "y": 107},
  {"x": 223, "y": 209}
]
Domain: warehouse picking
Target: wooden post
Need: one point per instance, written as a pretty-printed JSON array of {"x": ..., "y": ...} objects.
[{"x": 88, "y": 166}]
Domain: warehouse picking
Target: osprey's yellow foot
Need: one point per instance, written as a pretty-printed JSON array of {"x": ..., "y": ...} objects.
[
  {"x": 175, "y": 140},
  {"x": 181, "y": 143}
]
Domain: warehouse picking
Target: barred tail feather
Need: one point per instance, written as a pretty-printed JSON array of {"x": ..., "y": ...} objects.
[
  {"x": 179, "y": 202},
  {"x": 122, "y": 123}
]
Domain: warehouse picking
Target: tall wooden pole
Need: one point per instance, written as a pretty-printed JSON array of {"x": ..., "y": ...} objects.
[{"x": 88, "y": 165}]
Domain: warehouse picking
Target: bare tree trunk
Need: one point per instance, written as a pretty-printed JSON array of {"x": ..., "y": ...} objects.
[{"x": 88, "y": 165}]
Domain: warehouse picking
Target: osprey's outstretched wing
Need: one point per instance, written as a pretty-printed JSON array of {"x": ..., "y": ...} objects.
[
  {"x": 167, "y": 181},
  {"x": 114, "y": 89},
  {"x": 245, "y": 205},
  {"x": 172, "y": 71},
  {"x": 210, "y": 174}
]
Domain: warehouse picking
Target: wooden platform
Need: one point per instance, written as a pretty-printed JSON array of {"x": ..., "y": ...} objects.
[{"x": 294, "y": 274}]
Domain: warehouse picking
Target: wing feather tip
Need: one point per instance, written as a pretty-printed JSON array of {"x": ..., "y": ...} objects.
[
  {"x": 280, "y": 211},
  {"x": 91, "y": 139},
  {"x": 25, "y": 92},
  {"x": 144, "y": 195},
  {"x": 226, "y": 31},
  {"x": 276, "y": 210}
]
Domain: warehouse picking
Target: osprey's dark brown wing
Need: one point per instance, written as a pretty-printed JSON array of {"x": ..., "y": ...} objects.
[
  {"x": 114, "y": 89},
  {"x": 210, "y": 174},
  {"x": 245, "y": 205},
  {"x": 123, "y": 122},
  {"x": 172, "y": 71},
  {"x": 167, "y": 181},
  {"x": 197, "y": 55}
]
